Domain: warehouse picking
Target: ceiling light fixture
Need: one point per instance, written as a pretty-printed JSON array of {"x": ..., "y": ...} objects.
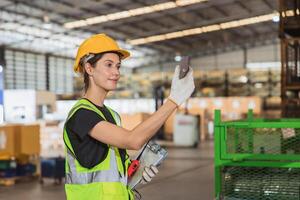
[
  {"x": 209, "y": 28},
  {"x": 131, "y": 13}
]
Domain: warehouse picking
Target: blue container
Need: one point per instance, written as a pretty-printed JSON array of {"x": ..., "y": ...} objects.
[
  {"x": 59, "y": 171},
  {"x": 26, "y": 169},
  {"x": 53, "y": 167},
  {"x": 7, "y": 168},
  {"x": 47, "y": 168},
  {"x": 7, "y": 164},
  {"x": 8, "y": 173}
]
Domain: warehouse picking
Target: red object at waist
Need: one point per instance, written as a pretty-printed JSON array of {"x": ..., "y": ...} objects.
[{"x": 134, "y": 165}]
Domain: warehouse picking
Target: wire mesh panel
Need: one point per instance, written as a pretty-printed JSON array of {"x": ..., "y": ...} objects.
[
  {"x": 257, "y": 159},
  {"x": 263, "y": 140},
  {"x": 260, "y": 183}
]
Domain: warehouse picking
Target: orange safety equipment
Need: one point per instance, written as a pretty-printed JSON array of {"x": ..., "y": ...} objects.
[{"x": 98, "y": 43}]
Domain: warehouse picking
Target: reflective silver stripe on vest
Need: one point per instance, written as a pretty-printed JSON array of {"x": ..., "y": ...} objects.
[
  {"x": 111, "y": 175},
  {"x": 117, "y": 118},
  {"x": 118, "y": 122}
]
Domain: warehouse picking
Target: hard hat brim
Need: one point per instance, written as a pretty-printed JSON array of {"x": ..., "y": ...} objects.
[{"x": 124, "y": 54}]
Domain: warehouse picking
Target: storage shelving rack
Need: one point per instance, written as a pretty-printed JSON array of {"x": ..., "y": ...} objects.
[{"x": 289, "y": 33}]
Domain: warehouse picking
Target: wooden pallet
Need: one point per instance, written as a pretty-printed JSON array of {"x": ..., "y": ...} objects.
[
  {"x": 17, "y": 179},
  {"x": 7, "y": 181},
  {"x": 22, "y": 179}
]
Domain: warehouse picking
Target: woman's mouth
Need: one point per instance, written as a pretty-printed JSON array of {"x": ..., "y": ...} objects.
[{"x": 114, "y": 80}]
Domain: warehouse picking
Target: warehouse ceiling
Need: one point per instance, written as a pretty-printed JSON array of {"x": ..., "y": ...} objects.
[{"x": 154, "y": 31}]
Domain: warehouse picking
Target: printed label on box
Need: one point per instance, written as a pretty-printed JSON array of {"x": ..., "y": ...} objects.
[
  {"x": 288, "y": 133},
  {"x": 2, "y": 140}
]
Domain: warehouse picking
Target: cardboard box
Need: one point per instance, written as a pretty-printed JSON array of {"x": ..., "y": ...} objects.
[
  {"x": 28, "y": 139},
  {"x": 232, "y": 108},
  {"x": 7, "y": 141},
  {"x": 130, "y": 121},
  {"x": 51, "y": 139},
  {"x": 17, "y": 140},
  {"x": 46, "y": 98}
]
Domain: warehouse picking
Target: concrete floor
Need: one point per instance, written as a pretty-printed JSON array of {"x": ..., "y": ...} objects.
[{"x": 186, "y": 174}]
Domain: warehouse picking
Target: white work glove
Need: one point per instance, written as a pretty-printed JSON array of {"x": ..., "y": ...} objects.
[
  {"x": 149, "y": 173},
  {"x": 181, "y": 89}
]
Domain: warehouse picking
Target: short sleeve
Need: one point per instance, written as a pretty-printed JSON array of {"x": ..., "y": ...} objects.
[{"x": 83, "y": 121}]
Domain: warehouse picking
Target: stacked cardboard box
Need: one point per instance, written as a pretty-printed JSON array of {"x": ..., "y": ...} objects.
[
  {"x": 51, "y": 139},
  {"x": 19, "y": 139},
  {"x": 28, "y": 139},
  {"x": 130, "y": 121},
  {"x": 7, "y": 142},
  {"x": 232, "y": 108}
]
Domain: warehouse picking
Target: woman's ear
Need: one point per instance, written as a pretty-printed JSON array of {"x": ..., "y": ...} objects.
[{"x": 88, "y": 68}]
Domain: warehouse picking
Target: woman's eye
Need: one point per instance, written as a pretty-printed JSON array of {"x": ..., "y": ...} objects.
[{"x": 108, "y": 64}]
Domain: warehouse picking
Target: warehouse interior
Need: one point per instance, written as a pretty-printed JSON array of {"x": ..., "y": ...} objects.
[{"x": 236, "y": 138}]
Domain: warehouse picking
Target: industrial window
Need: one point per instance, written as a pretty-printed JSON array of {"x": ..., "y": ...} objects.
[
  {"x": 25, "y": 70},
  {"x": 61, "y": 75}
]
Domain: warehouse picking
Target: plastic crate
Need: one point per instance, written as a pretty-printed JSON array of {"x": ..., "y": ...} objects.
[
  {"x": 257, "y": 159},
  {"x": 53, "y": 168},
  {"x": 27, "y": 169},
  {"x": 47, "y": 168},
  {"x": 7, "y": 164}
]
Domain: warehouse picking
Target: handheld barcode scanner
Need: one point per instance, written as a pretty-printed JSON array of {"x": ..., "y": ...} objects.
[
  {"x": 151, "y": 154},
  {"x": 184, "y": 66}
]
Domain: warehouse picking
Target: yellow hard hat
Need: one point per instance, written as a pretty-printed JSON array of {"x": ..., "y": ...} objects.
[{"x": 98, "y": 43}]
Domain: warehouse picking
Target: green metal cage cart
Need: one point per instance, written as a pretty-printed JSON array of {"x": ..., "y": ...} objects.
[{"x": 257, "y": 159}]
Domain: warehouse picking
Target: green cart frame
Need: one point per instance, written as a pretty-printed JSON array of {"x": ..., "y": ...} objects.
[{"x": 254, "y": 144}]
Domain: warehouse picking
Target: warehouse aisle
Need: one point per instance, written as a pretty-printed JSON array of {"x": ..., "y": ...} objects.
[{"x": 186, "y": 174}]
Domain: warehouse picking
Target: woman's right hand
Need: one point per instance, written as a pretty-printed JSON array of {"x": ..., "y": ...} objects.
[{"x": 181, "y": 89}]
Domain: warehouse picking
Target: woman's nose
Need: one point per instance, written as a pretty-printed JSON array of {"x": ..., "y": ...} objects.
[{"x": 116, "y": 71}]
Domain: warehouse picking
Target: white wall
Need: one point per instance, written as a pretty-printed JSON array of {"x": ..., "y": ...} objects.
[
  {"x": 219, "y": 61},
  {"x": 227, "y": 60},
  {"x": 270, "y": 53}
]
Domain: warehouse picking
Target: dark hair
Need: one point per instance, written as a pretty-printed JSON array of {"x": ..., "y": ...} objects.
[{"x": 93, "y": 62}]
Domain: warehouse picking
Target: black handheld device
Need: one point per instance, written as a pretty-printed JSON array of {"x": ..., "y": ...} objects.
[{"x": 184, "y": 66}]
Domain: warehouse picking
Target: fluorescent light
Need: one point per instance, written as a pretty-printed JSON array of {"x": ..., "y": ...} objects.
[
  {"x": 186, "y": 2},
  {"x": 131, "y": 13},
  {"x": 203, "y": 29},
  {"x": 27, "y": 30},
  {"x": 275, "y": 18},
  {"x": 163, "y": 6}
]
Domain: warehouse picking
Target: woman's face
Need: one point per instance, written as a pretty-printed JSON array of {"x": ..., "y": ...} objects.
[{"x": 107, "y": 71}]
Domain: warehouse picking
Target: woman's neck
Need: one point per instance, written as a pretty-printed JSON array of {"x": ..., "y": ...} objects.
[{"x": 95, "y": 96}]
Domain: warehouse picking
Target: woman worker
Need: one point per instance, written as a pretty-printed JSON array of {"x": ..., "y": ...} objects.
[{"x": 96, "y": 158}]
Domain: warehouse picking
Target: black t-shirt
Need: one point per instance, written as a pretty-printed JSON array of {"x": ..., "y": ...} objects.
[{"x": 89, "y": 151}]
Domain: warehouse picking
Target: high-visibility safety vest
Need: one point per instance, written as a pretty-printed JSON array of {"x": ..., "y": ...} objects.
[{"x": 105, "y": 181}]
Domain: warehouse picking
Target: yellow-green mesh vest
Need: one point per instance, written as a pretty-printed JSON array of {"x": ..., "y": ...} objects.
[{"x": 105, "y": 181}]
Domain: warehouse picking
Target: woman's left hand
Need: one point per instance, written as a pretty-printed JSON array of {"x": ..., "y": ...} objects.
[{"x": 149, "y": 173}]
